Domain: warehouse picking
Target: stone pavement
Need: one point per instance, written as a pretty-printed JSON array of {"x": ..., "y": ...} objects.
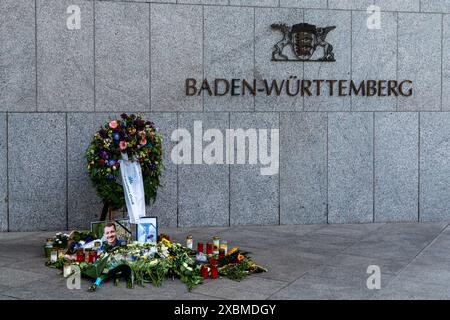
[{"x": 304, "y": 262}]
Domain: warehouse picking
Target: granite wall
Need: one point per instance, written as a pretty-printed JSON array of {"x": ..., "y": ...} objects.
[{"x": 342, "y": 159}]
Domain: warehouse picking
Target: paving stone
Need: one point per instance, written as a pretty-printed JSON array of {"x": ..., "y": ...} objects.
[
  {"x": 252, "y": 288},
  {"x": 317, "y": 288},
  {"x": 14, "y": 278}
]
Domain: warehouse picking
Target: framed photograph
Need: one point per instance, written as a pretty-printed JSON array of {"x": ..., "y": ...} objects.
[
  {"x": 123, "y": 229},
  {"x": 147, "y": 230}
]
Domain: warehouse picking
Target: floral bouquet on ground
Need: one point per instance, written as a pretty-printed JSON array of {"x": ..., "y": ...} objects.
[
  {"x": 142, "y": 263},
  {"x": 134, "y": 137}
]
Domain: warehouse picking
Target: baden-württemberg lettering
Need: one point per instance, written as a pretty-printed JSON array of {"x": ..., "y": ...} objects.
[{"x": 294, "y": 86}]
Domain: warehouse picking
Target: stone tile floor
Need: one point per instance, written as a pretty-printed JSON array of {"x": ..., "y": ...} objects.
[{"x": 304, "y": 262}]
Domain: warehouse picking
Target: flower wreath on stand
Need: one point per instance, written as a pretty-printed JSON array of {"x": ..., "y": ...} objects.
[{"x": 140, "y": 141}]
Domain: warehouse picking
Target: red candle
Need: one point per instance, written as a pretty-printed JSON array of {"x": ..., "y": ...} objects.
[
  {"x": 92, "y": 256},
  {"x": 209, "y": 248},
  {"x": 80, "y": 256},
  {"x": 221, "y": 254},
  {"x": 204, "y": 272},
  {"x": 214, "y": 272},
  {"x": 200, "y": 247},
  {"x": 212, "y": 262}
]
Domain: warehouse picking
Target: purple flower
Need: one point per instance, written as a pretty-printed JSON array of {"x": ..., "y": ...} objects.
[
  {"x": 104, "y": 154},
  {"x": 110, "y": 178}
]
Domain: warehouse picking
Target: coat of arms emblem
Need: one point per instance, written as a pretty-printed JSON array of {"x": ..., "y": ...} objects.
[{"x": 303, "y": 39}]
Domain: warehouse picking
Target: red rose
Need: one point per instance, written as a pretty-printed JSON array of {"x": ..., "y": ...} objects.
[{"x": 101, "y": 163}]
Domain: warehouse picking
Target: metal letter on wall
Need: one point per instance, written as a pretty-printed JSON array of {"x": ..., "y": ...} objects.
[{"x": 301, "y": 41}]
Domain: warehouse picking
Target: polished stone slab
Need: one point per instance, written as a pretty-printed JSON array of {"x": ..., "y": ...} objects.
[
  {"x": 17, "y": 56},
  {"x": 400, "y": 5},
  {"x": 229, "y": 54},
  {"x": 303, "y": 168},
  {"x": 254, "y": 196},
  {"x": 349, "y": 4},
  {"x": 419, "y": 60},
  {"x": 3, "y": 173},
  {"x": 340, "y": 39},
  {"x": 350, "y": 167},
  {"x": 374, "y": 57},
  {"x": 37, "y": 172},
  {"x": 446, "y": 63},
  {"x": 396, "y": 167},
  {"x": 265, "y": 39},
  {"x": 122, "y": 61},
  {"x": 434, "y": 169},
  {"x": 203, "y": 189},
  {"x": 310, "y": 4},
  {"x": 184, "y": 24},
  {"x": 65, "y": 58}
]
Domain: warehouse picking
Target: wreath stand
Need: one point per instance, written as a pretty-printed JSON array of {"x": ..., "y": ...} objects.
[{"x": 107, "y": 210}]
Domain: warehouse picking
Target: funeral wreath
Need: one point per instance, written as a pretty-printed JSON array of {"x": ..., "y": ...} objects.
[{"x": 135, "y": 139}]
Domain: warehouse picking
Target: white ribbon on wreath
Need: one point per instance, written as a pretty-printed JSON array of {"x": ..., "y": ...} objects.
[{"x": 133, "y": 188}]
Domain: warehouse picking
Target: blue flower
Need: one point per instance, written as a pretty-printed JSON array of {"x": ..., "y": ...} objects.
[
  {"x": 116, "y": 136},
  {"x": 111, "y": 163},
  {"x": 110, "y": 178}
]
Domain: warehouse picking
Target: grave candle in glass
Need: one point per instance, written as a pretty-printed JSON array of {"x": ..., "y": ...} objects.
[
  {"x": 200, "y": 247},
  {"x": 67, "y": 270},
  {"x": 204, "y": 272},
  {"x": 209, "y": 248},
  {"x": 216, "y": 242},
  {"x": 189, "y": 242},
  {"x": 221, "y": 254},
  {"x": 54, "y": 255},
  {"x": 214, "y": 272},
  {"x": 92, "y": 256},
  {"x": 224, "y": 246},
  {"x": 80, "y": 255}
]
